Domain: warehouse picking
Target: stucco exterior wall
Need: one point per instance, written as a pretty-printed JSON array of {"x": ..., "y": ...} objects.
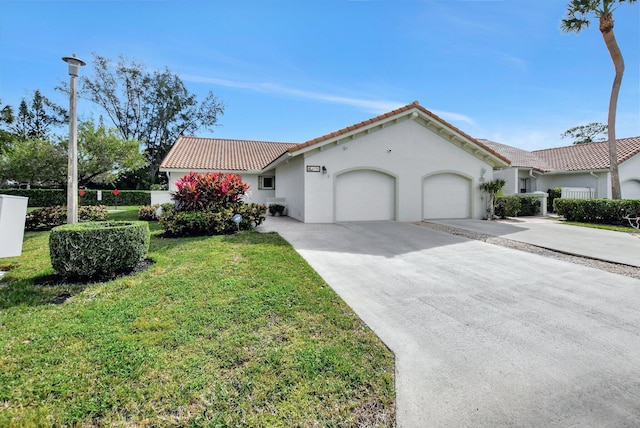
[
  {"x": 630, "y": 178},
  {"x": 407, "y": 151},
  {"x": 290, "y": 185},
  {"x": 581, "y": 179},
  {"x": 510, "y": 176},
  {"x": 255, "y": 195}
]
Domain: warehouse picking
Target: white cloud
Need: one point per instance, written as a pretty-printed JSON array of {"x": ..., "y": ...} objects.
[{"x": 368, "y": 105}]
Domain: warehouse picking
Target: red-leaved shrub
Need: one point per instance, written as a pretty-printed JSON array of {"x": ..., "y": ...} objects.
[{"x": 208, "y": 191}]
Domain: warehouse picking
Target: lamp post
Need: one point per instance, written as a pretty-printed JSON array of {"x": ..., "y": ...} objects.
[{"x": 72, "y": 168}]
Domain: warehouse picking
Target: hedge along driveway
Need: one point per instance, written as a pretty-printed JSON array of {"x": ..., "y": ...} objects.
[
  {"x": 232, "y": 330},
  {"x": 53, "y": 197}
]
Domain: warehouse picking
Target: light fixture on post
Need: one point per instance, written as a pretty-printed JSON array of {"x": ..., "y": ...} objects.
[{"x": 72, "y": 167}]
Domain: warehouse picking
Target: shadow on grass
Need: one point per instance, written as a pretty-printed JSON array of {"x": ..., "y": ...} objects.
[{"x": 54, "y": 289}]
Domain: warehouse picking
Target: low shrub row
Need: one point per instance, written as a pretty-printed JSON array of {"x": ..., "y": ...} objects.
[
  {"x": 514, "y": 206},
  {"x": 50, "y": 217},
  {"x": 153, "y": 212},
  {"x": 53, "y": 197},
  {"x": 98, "y": 249},
  {"x": 604, "y": 211},
  {"x": 214, "y": 221}
]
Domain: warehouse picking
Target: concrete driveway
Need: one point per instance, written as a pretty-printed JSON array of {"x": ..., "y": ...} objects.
[{"x": 484, "y": 335}]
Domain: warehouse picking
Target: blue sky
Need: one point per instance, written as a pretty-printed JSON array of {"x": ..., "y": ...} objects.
[{"x": 293, "y": 70}]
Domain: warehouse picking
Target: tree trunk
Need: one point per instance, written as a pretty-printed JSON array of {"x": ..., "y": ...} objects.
[{"x": 606, "y": 27}]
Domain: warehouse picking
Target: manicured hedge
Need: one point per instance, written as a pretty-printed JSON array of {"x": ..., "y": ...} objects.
[
  {"x": 514, "y": 206},
  {"x": 98, "y": 249},
  {"x": 605, "y": 211},
  {"x": 46, "y": 218},
  {"x": 216, "y": 221},
  {"x": 53, "y": 197}
]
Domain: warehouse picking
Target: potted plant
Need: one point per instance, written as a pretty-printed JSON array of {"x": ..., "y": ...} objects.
[{"x": 276, "y": 209}]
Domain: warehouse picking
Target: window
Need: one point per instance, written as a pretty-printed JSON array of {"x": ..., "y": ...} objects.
[
  {"x": 266, "y": 182},
  {"x": 524, "y": 185}
]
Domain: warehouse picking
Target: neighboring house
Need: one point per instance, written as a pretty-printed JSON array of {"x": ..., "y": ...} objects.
[
  {"x": 405, "y": 165},
  {"x": 577, "y": 166},
  {"x": 248, "y": 158}
]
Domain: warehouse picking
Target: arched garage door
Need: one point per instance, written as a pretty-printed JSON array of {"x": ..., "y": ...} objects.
[
  {"x": 365, "y": 195},
  {"x": 631, "y": 189},
  {"x": 446, "y": 195}
]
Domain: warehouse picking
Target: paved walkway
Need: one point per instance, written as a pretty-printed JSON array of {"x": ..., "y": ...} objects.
[
  {"x": 617, "y": 247},
  {"x": 484, "y": 335}
]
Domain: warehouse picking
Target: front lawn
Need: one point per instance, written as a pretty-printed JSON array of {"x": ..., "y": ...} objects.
[{"x": 220, "y": 331}]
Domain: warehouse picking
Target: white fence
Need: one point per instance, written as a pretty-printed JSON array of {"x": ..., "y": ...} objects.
[{"x": 578, "y": 193}]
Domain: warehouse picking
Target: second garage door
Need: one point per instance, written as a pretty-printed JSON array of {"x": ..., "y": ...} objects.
[
  {"x": 446, "y": 195},
  {"x": 365, "y": 195}
]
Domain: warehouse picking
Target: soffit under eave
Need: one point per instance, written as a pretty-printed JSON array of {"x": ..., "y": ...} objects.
[{"x": 449, "y": 134}]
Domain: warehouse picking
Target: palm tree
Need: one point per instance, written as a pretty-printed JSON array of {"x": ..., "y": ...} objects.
[{"x": 576, "y": 20}]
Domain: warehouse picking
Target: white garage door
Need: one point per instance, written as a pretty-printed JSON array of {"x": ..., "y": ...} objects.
[
  {"x": 446, "y": 196},
  {"x": 365, "y": 195}
]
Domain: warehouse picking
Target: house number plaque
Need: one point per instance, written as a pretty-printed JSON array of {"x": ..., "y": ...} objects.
[{"x": 313, "y": 168}]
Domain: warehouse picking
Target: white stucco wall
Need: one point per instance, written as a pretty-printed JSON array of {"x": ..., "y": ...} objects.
[
  {"x": 255, "y": 195},
  {"x": 407, "y": 151},
  {"x": 580, "y": 179},
  {"x": 510, "y": 176},
  {"x": 290, "y": 185},
  {"x": 630, "y": 178}
]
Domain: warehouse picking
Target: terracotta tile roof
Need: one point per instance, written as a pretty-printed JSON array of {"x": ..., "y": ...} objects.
[
  {"x": 588, "y": 156},
  {"x": 518, "y": 157},
  {"x": 222, "y": 154},
  {"x": 382, "y": 117}
]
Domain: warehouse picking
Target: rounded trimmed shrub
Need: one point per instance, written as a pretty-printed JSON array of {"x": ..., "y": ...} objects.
[{"x": 98, "y": 249}]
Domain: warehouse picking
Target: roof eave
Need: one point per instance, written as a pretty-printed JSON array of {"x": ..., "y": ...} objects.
[{"x": 416, "y": 112}]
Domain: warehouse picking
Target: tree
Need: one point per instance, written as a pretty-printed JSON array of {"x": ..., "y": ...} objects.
[
  {"x": 492, "y": 189},
  {"x": 103, "y": 156},
  {"x": 585, "y": 133},
  {"x": 575, "y": 21},
  {"x": 35, "y": 119},
  {"x": 35, "y": 162},
  {"x": 154, "y": 108},
  {"x": 6, "y": 119}
]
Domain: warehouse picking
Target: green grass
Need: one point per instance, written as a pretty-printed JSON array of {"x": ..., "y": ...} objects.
[
  {"x": 221, "y": 331},
  {"x": 626, "y": 229}
]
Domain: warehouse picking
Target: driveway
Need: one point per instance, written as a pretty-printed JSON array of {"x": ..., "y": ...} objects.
[{"x": 484, "y": 335}]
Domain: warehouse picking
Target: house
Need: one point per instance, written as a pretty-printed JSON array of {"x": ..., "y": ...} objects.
[
  {"x": 580, "y": 166},
  {"x": 405, "y": 165}
]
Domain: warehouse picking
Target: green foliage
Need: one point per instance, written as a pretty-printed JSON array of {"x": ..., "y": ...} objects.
[
  {"x": 214, "y": 221},
  {"x": 514, "y": 206},
  {"x": 206, "y": 203},
  {"x": 154, "y": 212},
  {"x": 34, "y": 161},
  {"x": 507, "y": 206},
  {"x": 207, "y": 191},
  {"x": 492, "y": 188},
  {"x": 585, "y": 133},
  {"x": 554, "y": 193},
  {"x": 53, "y": 197},
  {"x": 153, "y": 108},
  {"x": 159, "y": 187},
  {"x": 148, "y": 212},
  {"x": 604, "y": 211},
  {"x": 276, "y": 209},
  {"x": 98, "y": 249},
  {"x": 103, "y": 156},
  {"x": 48, "y": 217},
  {"x": 35, "y": 119},
  {"x": 226, "y": 331}
]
